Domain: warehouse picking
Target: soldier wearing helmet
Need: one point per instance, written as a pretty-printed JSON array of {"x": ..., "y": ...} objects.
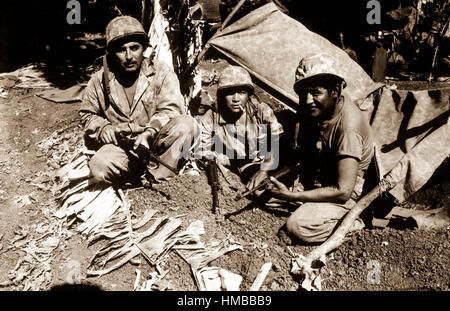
[
  {"x": 133, "y": 101},
  {"x": 238, "y": 128},
  {"x": 340, "y": 156}
]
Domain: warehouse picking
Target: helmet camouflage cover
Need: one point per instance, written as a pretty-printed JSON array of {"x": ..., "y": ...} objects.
[
  {"x": 316, "y": 67},
  {"x": 235, "y": 76},
  {"x": 124, "y": 26}
]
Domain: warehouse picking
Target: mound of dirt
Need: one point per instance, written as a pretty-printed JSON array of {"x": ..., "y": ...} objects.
[{"x": 404, "y": 260}]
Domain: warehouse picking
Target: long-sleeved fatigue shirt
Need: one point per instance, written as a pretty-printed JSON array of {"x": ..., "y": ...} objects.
[
  {"x": 157, "y": 99},
  {"x": 247, "y": 138}
]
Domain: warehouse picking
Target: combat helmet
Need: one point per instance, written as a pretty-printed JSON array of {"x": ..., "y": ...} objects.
[
  {"x": 124, "y": 26},
  {"x": 316, "y": 67},
  {"x": 235, "y": 76}
]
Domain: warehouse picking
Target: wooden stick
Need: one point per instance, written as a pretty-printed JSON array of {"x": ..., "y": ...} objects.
[
  {"x": 232, "y": 13},
  {"x": 261, "y": 276}
]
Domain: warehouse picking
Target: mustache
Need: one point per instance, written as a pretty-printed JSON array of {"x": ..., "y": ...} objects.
[{"x": 130, "y": 64}]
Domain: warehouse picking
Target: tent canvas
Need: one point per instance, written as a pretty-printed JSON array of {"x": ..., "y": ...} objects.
[
  {"x": 412, "y": 135},
  {"x": 270, "y": 44}
]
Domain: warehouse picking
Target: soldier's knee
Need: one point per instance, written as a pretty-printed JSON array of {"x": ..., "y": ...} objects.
[
  {"x": 109, "y": 164},
  {"x": 97, "y": 179},
  {"x": 306, "y": 231},
  {"x": 98, "y": 170},
  {"x": 105, "y": 166},
  {"x": 296, "y": 228}
]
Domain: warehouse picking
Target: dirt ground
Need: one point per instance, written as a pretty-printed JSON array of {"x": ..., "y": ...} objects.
[{"x": 405, "y": 259}]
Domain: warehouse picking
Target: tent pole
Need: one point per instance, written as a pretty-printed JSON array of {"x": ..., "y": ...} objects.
[{"x": 232, "y": 13}]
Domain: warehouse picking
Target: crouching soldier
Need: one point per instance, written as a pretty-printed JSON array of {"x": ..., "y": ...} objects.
[
  {"x": 133, "y": 101},
  {"x": 344, "y": 150},
  {"x": 241, "y": 131}
]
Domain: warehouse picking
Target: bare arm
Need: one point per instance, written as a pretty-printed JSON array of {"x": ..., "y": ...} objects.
[{"x": 347, "y": 169}]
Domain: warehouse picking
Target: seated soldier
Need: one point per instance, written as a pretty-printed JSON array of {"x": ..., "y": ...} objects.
[
  {"x": 133, "y": 101},
  {"x": 240, "y": 128},
  {"x": 345, "y": 148}
]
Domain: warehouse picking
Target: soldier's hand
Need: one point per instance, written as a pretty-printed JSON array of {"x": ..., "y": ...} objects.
[
  {"x": 223, "y": 160},
  {"x": 108, "y": 135},
  {"x": 279, "y": 190},
  {"x": 205, "y": 154},
  {"x": 127, "y": 128},
  {"x": 209, "y": 155},
  {"x": 144, "y": 138},
  {"x": 256, "y": 179}
]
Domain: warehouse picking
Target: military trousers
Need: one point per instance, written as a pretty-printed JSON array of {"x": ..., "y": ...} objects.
[{"x": 113, "y": 164}]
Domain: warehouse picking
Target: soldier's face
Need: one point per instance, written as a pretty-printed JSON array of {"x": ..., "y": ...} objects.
[
  {"x": 129, "y": 56},
  {"x": 317, "y": 101},
  {"x": 236, "y": 99}
]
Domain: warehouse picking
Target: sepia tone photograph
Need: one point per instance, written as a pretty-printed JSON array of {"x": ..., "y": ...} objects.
[{"x": 225, "y": 146}]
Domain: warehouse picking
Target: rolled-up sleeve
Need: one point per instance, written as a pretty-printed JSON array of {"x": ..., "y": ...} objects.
[
  {"x": 269, "y": 117},
  {"x": 206, "y": 132},
  {"x": 269, "y": 125},
  {"x": 350, "y": 144}
]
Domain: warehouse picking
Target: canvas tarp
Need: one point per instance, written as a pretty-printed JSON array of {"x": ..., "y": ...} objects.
[
  {"x": 412, "y": 135},
  {"x": 70, "y": 95},
  {"x": 270, "y": 45}
]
